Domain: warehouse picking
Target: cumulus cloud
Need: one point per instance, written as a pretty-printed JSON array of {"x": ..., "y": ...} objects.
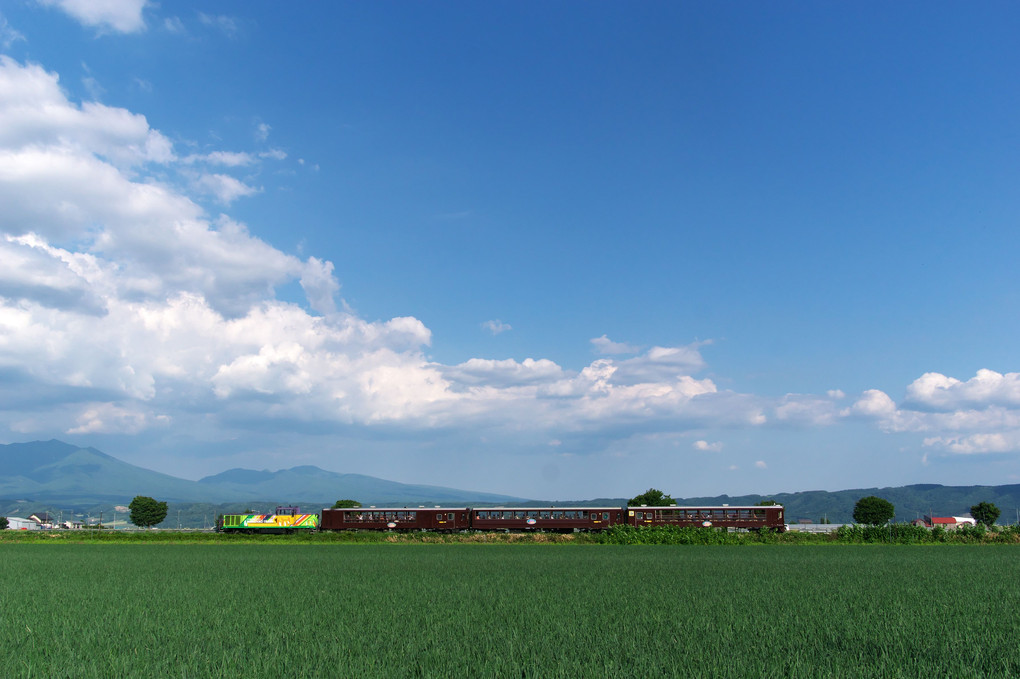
[
  {"x": 122, "y": 16},
  {"x": 979, "y": 415},
  {"x": 713, "y": 447},
  {"x": 934, "y": 391}
]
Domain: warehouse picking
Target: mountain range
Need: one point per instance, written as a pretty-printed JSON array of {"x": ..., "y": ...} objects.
[
  {"x": 59, "y": 473},
  {"x": 51, "y": 474}
]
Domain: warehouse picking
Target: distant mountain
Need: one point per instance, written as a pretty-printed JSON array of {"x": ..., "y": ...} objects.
[
  {"x": 55, "y": 471},
  {"x": 59, "y": 473},
  {"x": 309, "y": 482}
]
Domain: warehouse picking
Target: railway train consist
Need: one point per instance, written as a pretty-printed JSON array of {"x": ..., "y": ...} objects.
[{"x": 516, "y": 519}]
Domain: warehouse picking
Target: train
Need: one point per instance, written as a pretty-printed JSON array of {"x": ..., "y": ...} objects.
[{"x": 505, "y": 519}]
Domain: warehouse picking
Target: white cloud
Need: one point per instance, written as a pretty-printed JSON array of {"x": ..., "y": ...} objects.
[
  {"x": 174, "y": 25},
  {"x": 808, "y": 409},
  {"x": 35, "y": 114},
  {"x": 496, "y": 326},
  {"x": 660, "y": 363},
  {"x": 977, "y": 443},
  {"x": 504, "y": 372},
  {"x": 760, "y": 464},
  {"x": 8, "y": 36},
  {"x": 123, "y": 16},
  {"x": 224, "y": 188},
  {"x": 108, "y": 418},
  {"x": 604, "y": 345},
  {"x": 713, "y": 447},
  {"x": 873, "y": 403},
  {"x": 935, "y": 391},
  {"x": 225, "y": 158},
  {"x": 228, "y": 25},
  {"x": 274, "y": 154}
]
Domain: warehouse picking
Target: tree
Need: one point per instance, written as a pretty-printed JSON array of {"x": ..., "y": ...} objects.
[
  {"x": 3, "y": 523},
  {"x": 766, "y": 503},
  {"x": 346, "y": 504},
  {"x": 652, "y": 498},
  {"x": 147, "y": 512},
  {"x": 873, "y": 511},
  {"x": 985, "y": 513}
]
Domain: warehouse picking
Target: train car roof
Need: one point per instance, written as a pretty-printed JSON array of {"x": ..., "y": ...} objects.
[
  {"x": 543, "y": 509},
  {"x": 395, "y": 509},
  {"x": 705, "y": 507}
]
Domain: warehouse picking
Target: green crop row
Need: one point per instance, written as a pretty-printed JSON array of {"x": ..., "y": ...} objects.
[{"x": 315, "y": 610}]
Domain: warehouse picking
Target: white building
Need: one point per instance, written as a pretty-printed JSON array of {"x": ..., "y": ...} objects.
[{"x": 16, "y": 523}]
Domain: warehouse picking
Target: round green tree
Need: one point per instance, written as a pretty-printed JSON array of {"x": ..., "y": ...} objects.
[
  {"x": 985, "y": 513},
  {"x": 873, "y": 511},
  {"x": 653, "y": 498},
  {"x": 3, "y": 523},
  {"x": 346, "y": 504},
  {"x": 147, "y": 512}
]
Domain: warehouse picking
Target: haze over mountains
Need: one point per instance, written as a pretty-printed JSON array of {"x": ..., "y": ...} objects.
[{"x": 60, "y": 474}]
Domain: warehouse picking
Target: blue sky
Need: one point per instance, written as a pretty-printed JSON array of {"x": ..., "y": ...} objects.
[{"x": 557, "y": 250}]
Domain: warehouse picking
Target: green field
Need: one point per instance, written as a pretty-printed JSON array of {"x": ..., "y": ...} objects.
[{"x": 276, "y": 610}]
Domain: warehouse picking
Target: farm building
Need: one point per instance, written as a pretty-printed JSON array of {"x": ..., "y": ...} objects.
[
  {"x": 17, "y": 523},
  {"x": 947, "y": 521}
]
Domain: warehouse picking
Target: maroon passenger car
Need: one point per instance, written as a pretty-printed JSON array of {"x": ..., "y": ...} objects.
[
  {"x": 394, "y": 518},
  {"x": 749, "y": 517},
  {"x": 564, "y": 519}
]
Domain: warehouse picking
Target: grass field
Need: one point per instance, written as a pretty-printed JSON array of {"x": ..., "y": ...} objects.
[{"x": 275, "y": 610}]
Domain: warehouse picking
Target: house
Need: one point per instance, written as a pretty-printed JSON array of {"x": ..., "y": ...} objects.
[{"x": 43, "y": 519}]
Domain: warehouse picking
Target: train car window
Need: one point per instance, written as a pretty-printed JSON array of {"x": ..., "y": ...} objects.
[
  {"x": 605, "y": 516},
  {"x": 546, "y": 515},
  {"x": 532, "y": 515}
]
